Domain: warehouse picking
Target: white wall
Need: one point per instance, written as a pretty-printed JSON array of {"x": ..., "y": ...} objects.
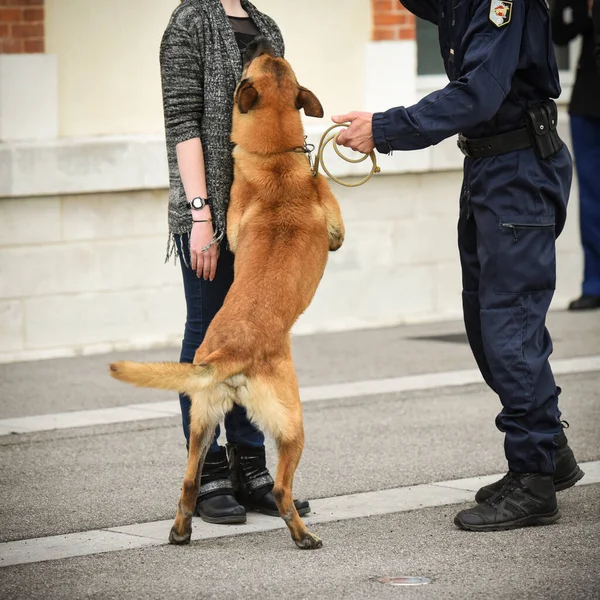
[
  {"x": 85, "y": 273},
  {"x": 107, "y": 54},
  {"x": 108, "y": 71}
]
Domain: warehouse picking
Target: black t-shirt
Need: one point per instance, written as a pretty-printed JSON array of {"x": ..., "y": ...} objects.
[{"x": 245, "y": 31}]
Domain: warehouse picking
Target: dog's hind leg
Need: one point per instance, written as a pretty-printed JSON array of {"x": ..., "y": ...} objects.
[
  {"x": 200, "y": 439},
  {"x": 290, "y": 452},
  {"x": 276, "y": 407},
  {"x": 205, "y": 414}
]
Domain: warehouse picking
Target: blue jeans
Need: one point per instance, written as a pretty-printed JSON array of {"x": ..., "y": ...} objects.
[
  {"x": 586, "y": 147},
  {"x": 203, "y": 300}
]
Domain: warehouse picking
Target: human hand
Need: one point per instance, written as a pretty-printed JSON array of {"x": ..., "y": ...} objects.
[
  {"x": 204, "y": 263},
  {"x": 359, "y": 136}
]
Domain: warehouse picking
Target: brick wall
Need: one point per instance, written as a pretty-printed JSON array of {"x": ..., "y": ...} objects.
[
  {"x": 21, "y": 26},
  {"x": 391, "y": 21}
]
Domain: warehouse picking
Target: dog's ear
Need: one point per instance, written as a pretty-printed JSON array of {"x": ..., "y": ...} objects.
[
  {"x": 309, "y": 102},
  {"x": 246, "y": 96}
]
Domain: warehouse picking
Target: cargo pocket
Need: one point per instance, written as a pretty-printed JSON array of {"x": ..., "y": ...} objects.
[{"x": 526, "y": 254}]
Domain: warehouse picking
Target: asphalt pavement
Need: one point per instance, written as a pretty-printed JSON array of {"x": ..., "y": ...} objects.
[{"x": 85, "y": 479}]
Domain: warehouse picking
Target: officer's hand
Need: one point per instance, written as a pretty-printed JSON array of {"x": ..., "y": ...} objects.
[{"x": 359, "y": 136}]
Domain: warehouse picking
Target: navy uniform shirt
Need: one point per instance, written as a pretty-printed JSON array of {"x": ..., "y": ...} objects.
[{"x": 500, "y": 60}]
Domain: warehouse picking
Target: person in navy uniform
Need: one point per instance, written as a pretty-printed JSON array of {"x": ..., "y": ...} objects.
[{"x": 499, "y": 57}]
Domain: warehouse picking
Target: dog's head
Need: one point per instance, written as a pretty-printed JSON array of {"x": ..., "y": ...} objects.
[
  {"x": 269, "y": 97},
  {"x": 269, "y": 80}
]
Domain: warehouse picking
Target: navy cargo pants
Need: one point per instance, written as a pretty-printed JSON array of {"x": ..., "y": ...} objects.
[{"x": 513, "y": 207}]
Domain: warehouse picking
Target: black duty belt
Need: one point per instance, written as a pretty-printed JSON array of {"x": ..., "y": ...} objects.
[{"x": 519, "y": 139}]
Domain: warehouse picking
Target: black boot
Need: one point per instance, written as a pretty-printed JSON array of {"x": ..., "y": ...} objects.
[
  {"x": 585, "y": 303},
  {"x": 567, "y": 472},
  {"x": 253, "y": 483},
  {"x": 216, "y": 501},
  {"x": 524, "y": 499}
]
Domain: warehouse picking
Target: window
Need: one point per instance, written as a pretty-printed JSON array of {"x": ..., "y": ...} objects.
[{"x": 429, "y": 59}]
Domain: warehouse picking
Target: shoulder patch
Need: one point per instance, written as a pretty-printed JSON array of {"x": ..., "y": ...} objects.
[{"x": 500, "y": 12}]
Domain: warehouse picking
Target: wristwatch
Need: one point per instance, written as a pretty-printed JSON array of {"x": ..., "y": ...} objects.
[{"x": 198, "y": 203}]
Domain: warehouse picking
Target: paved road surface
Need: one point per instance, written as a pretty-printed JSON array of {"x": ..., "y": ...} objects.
[{"x": 369, "y": 464}]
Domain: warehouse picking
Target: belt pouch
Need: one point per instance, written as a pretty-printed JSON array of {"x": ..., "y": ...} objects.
[{"x": 541, "y": 122}]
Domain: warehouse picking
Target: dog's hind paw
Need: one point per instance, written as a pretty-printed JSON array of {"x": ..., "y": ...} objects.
[
  {"x": 179, "y": 540},
  {"x": 309, "y": 542}
]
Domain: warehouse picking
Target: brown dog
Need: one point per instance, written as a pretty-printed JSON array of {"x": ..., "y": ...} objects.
[{"x": 282, "y": 222}]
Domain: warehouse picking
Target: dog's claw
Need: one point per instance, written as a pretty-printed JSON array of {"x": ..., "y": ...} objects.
[
  {"x": 309, "y": 542},
  {"x": 179, "y": 540},
  {"x": 336, "y": 239}
]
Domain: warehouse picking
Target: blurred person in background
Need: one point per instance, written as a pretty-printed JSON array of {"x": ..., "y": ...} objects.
[
  {"x": 596, "y": 19},
  {"x": 201, "y": 58},
  {"x": 571, "y": 19}
]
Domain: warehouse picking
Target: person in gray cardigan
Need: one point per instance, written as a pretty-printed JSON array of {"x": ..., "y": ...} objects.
[{"x": 201, "y": 64}]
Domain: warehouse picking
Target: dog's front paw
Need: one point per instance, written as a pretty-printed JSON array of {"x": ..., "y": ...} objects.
[
  {"x": 309, "y": 542},
  {"x": 179, "y": 540},
  {"x": 336, "y": 239}
]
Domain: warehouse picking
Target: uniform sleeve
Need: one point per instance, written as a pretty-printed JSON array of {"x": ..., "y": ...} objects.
[
  {"x": 182, "y": 83},
  {"x": 424, "y": 9},
  {"x": 491, "y": 56},
  {"x": 563, "y": 32},
  {"x": 596, "y": 18}
]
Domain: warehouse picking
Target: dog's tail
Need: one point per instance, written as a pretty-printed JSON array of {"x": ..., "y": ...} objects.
[{"x": 181, "y": 377}]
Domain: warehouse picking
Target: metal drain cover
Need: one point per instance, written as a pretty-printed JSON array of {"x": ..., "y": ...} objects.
[{"x": 405, "y": 580}]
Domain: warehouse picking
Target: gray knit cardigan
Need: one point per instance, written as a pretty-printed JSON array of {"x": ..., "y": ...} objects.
[{"x": 200, "y": 68}]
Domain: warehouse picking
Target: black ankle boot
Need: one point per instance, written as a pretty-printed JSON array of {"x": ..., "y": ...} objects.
[
  {"x": 216, "y": 501},
  {"x": 567, "y": 472},
  {"x": 525, "y": 499},
  {"x": 585, "y": 302},
  {"x": 253, "y": 483}
]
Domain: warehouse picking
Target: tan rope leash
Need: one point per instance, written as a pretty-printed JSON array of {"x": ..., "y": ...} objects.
[{"x": 329, "y": 137}]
